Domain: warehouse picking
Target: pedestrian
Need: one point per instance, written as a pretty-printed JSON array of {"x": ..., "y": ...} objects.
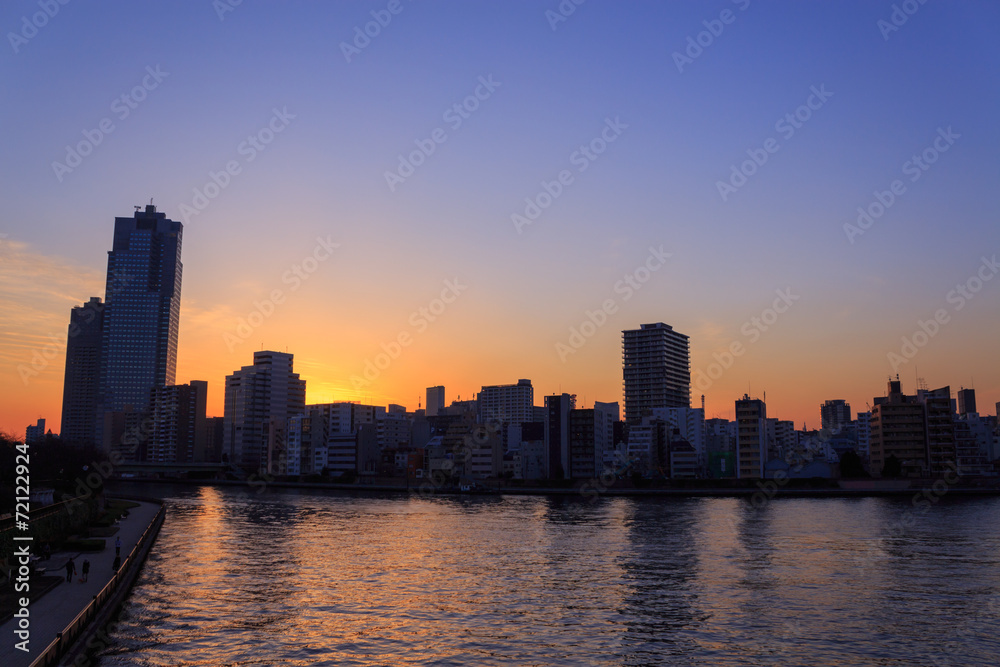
[
  {"x": 117, "y": 564},
  {"x": 85, "y": 570},
  {"x": 118, "y": 547},
  {"x": 70, "y": 569}
]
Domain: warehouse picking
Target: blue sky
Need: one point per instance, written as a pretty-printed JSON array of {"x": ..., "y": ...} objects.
[{"x": 656, "y": 184}]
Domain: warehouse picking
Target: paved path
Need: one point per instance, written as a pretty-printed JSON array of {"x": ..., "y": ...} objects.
[{"x": 52, "y": 613}]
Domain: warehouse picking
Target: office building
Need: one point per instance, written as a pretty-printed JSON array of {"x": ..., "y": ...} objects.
[
  {"x": 435, "y": 401},
  {"x": 557, "y": 433},
  {"x": 656, "y": 369},
  {"x": 141, "y": 310},
  {"x": 81, "y": 381},
  {"x": 966, "y": 401}
]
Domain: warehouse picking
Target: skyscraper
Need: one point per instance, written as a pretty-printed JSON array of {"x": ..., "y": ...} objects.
[
  {"x": 656, "y": 368},
  {"x": 254, "y": 395},
  {"x": 141, "y": 310},
  {"x": 83, "y": 370}
]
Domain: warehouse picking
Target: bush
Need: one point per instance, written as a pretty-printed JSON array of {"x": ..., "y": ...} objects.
[{"x": 90, "y": 544}]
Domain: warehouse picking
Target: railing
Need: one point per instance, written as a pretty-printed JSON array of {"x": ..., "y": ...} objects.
[
  {"x": 7, "y": 523},
  {"x": 65, "y": 639}
]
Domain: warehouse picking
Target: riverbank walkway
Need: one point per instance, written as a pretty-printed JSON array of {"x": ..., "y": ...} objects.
[{"x": 53, "y": 612}]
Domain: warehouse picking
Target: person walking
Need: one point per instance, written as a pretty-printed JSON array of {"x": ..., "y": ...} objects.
[
  {"x": 70, "y": 569},
  {"x": 118, "y": 546},
  {"x": 85, "y": 570}
]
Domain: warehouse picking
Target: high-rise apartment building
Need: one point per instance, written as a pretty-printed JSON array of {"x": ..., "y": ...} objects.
[
  {"x": 835, "y": 415},
  {"x": 898, "y": 430},
  {"x": 82, "y": 376},
  {"x": 254, "y": 395},
  {"x": 35, "y": 432},
  {"x": 751, "y": 437},
  {"x": 177, "y": 433},
  {"x": 506, "y": 403},
  {"x": 940, "y": 426},
  {"x": 656, "y": 369}
]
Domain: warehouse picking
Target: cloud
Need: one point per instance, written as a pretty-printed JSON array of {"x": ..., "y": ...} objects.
[{"x": 37, "y": 292}]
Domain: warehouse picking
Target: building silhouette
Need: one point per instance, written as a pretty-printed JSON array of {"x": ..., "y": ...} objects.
[
  {"x": 35, "y": 432},
  {"x": 435, "y": 401},
  {"x": 254, "y": 396},
  {"x": 898, "y": 430},
  {"x": 506, "y": 403},
  {"x": 966, "y": 401},
  {"x": 178, "y": 433},
  {"x": 557, "y": 434},
  {"x": 835, "y": 415},
  {"x": 141, "y": 311},
  {"x": 751, "y": 441},
  {"x": 656, "y": 368},
  {"x": 940, "y": 427},
  {"x": 82, "y": 375}
]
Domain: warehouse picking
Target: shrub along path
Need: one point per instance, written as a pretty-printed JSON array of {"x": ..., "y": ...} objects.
[{"x": 50, "y": 614}]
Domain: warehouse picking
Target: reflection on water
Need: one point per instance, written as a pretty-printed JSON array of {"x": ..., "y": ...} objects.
[{"x": 297, "y": 578}]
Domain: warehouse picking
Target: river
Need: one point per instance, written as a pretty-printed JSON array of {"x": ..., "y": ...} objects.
[{"x": 320, "y": 578}]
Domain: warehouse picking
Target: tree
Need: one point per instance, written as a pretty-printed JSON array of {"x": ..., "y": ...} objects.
[
  {"x": 893, "y": 467},
  {"x": 851, "y": 465}
]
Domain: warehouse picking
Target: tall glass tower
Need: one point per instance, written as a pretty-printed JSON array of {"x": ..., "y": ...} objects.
[{"x": 141, "y": 311}]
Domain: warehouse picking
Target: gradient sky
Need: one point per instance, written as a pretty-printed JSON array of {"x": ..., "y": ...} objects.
[{"x": 323, "y": 176}]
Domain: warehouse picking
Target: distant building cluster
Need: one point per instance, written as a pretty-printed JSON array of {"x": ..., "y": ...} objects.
[{"x": 119, "y": 394}]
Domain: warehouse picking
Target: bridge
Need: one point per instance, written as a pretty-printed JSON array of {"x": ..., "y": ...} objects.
[{"x": 193, "y": 470}]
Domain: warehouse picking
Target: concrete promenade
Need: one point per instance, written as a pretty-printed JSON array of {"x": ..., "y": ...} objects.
[{"x": 52, "y": 613}]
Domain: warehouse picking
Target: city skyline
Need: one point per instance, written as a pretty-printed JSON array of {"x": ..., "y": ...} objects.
[{"x": 801, "y": 210}]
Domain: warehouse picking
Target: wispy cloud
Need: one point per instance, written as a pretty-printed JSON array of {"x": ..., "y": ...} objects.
[{"x": 37, "y": 292}]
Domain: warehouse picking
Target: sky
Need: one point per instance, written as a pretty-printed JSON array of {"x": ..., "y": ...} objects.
[{"x": 471, "y": 193}]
